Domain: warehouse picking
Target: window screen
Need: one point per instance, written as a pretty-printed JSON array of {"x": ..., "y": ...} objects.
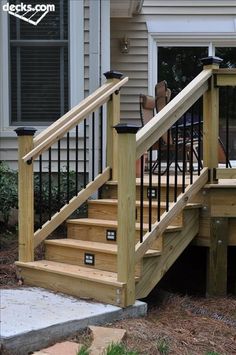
[{"x": 39, "y": 66}]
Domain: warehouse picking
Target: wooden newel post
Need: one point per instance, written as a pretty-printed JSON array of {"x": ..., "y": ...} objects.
[
  {"x": 126, "y": 207},
  {"x": 25, "y": 195},
  {"x": 113, "y": 118},
  {"x": 211, "y": 119}
]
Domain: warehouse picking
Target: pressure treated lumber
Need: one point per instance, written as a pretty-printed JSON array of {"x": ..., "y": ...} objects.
[
  {"x": 159, "y": 227},
  {"x": 26, "y": 201},
  {"x": 68, "y": 209},
  {"x": 113, "y": 118},
  {"x": 173, "y": 245},
  {"x": 74, "y": 280},
  {"x": 126, "y": 213},
  {"x": 163, "y": 120},
  {"x": 73, "y": 252},
  {"x": 217, "y": 257},
  {"x": 75, "y": 120},
  {"x": 211, "y": 126}
]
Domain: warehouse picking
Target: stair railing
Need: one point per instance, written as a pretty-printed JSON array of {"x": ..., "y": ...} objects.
[
  {"x": 62, "y": 150},
  {"x": 198, "y": 155}
]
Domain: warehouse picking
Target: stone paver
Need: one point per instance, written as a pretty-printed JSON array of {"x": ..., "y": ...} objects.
[
  {"x": 65, "y": 348},
  {"x": 102, "y": 337}
]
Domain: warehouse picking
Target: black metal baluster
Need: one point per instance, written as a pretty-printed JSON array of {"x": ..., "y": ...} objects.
[
  {"x": 40, "y": 193},
  {"x": 58, "y": 175},
  {"x": 150, "y": 192},
  {"x": 85, "y": 153},
  {"x": 200, "y": 135},
  {"x": 176, "y": 161},
  {"x": 93, "y": 145},
  {"x": 141, "y": 198},
  {"x": 227, "y": 126},
  {"x": 167, "y": 170},
  {"x": 184, "y": 154},
  {"x": 68, "y": 167},
  {"x": 49, "y": 183},
  {"x": 191, "y": 146},
  {"x": 159, "y": 180},
  {"x": 76, "y": 159},
  {"x": 101, "y": 139}
]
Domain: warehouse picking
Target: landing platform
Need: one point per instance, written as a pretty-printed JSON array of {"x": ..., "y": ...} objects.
[{"x": 33, "y": 318}]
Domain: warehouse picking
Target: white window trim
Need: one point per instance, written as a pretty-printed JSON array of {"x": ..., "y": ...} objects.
[
  {"x": 76, "y": 72},
  {"x": 181, "y": 30},
  {"x": 156, "y": 40}
]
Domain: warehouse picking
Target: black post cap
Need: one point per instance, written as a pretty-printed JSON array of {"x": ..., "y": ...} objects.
[
  {"x": 126, "y": 128},
  {"x": 211, "y": 60},
  {"x": 113, "y": 74},
  {"x": 25, "y": 131}
]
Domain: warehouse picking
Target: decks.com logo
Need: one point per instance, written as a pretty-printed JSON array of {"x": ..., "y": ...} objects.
[{"x": 29, "y": 13}]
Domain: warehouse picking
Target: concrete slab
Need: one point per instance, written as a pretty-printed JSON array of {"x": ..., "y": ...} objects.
[{"x": 33, "y": 318}]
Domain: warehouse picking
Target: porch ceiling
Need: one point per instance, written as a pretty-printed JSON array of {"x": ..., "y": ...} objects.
[{"x": 125, "y": 8}]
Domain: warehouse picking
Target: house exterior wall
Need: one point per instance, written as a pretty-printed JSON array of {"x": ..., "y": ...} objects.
[
  {"x": 80, "y": 70},
  {"x": 167, "y": 23}
]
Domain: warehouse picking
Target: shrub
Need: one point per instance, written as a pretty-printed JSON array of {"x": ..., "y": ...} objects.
[{"x": 8, "y": 191}]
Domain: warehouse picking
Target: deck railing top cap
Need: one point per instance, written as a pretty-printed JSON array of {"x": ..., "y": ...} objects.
[
  {"x": 25, "y": 131},
  {"x": 113, "y": 74},
  {"x": 126, "y": 128},
  {"x": 211, "y": 60}
]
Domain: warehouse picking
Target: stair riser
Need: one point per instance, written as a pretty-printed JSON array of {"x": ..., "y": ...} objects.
[
  {"x": 110, "y": 192},
  {"x": 109, "y": 212},
  {"x": 75, "y": 256},
  {"x": 74, "y": 286},
  {"x": 92, "y": 233},
  {"x": 98, "y": 234}
]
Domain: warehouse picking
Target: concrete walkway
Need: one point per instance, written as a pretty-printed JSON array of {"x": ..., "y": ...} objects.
[{"x": 34, "y": 318}]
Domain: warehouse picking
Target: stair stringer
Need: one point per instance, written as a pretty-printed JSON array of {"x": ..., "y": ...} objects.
[{"x": 174, "y": 244}]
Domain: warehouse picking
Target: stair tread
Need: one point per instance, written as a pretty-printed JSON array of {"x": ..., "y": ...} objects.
[
  {"x": 92, "y": 246},
  {"x": 106, "y": 277},
  {"x": 112, "y": 224},
  {"x": 145, "y": 203},
  {"x": 155, "y": 181}
]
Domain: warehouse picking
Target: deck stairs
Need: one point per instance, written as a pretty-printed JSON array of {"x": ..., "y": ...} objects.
[{"x": 84, "y": 264}]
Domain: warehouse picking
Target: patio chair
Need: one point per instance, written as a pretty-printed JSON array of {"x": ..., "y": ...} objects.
[{"x": 148, "y": 106}]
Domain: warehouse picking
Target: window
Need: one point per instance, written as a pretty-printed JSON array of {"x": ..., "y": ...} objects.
[{"x": 39, "y": 66}]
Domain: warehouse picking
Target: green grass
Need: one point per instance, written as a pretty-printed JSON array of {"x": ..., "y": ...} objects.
[
  {"x": 119, "y": 349},
  {"x": 212, "y": 353},
  {"x": 113, "y": 349},
  {"x": 163, "y": 346},
  {"x": 83, "y": 351}
]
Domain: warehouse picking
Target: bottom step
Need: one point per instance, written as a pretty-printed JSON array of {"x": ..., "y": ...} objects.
[{"x": 74, "y": 280}]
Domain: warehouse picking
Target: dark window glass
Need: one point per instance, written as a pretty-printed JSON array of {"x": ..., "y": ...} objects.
[
  {"x": 39, "y": 66},
  {"x": 179, "y": 65}
]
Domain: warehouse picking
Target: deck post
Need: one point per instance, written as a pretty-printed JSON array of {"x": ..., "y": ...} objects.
[
  {"x": 217, "y": 257},
  {"x": 211, "y": 120},
  {"x": 113, "y": 118},
  {"x": 126, "y": 208},
  {"x": 25, "y": 195}
]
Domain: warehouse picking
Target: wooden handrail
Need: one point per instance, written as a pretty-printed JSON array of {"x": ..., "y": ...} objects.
[
  {"x": 66, "y": 125},
  {"x": 159, "y": 227},
  {"x": 74, "y": 111},
  {"x": 163, "y": 120}
]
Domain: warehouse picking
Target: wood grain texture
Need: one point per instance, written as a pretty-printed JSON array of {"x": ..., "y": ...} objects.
[
  {"x": 217, "y": 257},
  {"x": 173, "y": 245},
  {"x": 26, "y": 201},
  {"x": 68, "y": 209}
]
